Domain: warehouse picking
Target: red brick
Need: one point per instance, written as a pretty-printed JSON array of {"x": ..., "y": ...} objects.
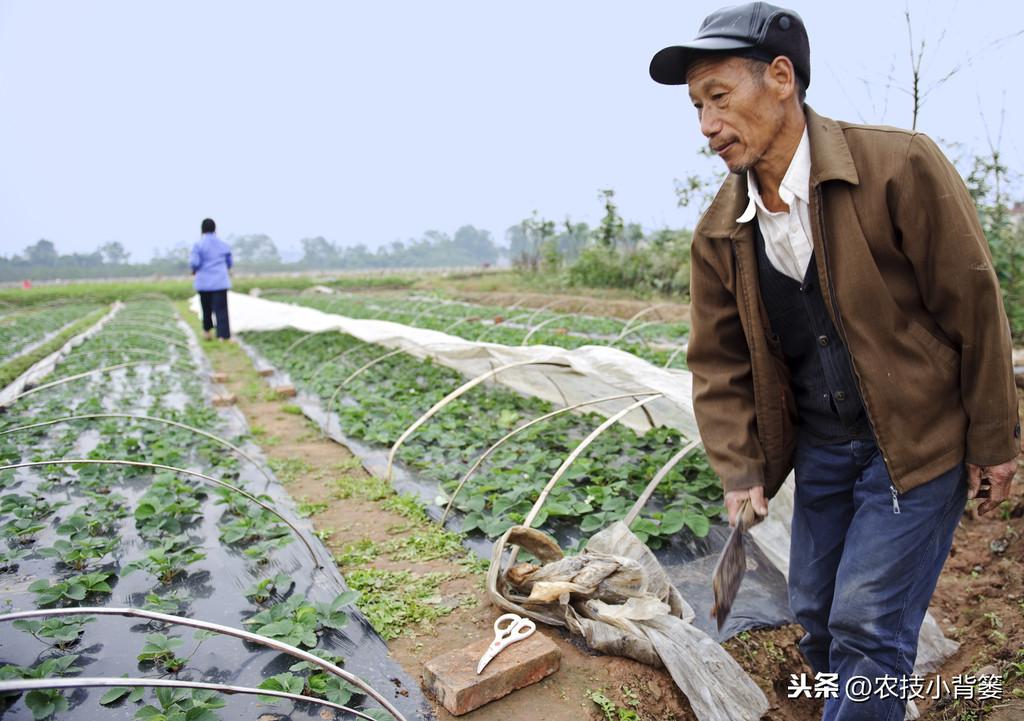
[
  {"x": 284, "y": 391},
  {"x": 265, "y": 372},
  {"x": 453, "y": 680},
  {"x": 224, "y": 399}
]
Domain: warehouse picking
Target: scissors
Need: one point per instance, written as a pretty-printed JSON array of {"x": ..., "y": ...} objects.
[{"x": 508, "y": 628}]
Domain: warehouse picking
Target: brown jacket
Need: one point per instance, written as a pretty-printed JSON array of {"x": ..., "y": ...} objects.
[{"x": 908, "y": 279}]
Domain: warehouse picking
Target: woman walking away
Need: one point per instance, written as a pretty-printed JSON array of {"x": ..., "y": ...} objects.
[{"x": 211, "y": 265}]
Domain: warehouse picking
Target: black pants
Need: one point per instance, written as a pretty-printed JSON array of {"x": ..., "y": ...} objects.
[{"x": 215, "y": 303}]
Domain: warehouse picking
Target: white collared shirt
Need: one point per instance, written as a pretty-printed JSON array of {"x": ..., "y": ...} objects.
[{"x": 787, "y": 235}]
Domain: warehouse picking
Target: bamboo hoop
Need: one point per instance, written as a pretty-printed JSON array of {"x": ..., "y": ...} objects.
[
  {"x": 86, "y": 374},
  {"x": 539, "y": 310},
  {"x": 499, "y": 547},
  {"x": 339, "y": 356},
  {"x": 672, "y": 357},
  {"x": 575, "y": 453},
  {"x": 640, "y": 314},
  {"x": 465, "y": 387},
  {"x": 460, "y": 321},
  {"x": 123, "y": 322},
  {"x": 300, "y": 341},
  {"x": 216, "y": 628},
  {"x": 672, "y": 462},
  {"x": 511, "y": 434},
  {"x": 175, "y": 469},
  {"x": 537, "y": 327},
  {"x": 163, "y": 339},
  {"x": 223, "y": 441},
  {"x": 491, "y": 327}
]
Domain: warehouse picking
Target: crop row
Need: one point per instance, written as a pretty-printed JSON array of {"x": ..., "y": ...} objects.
[
  {"x": 89, "y": 533},
  {"x": 658, "y": 342},
  {"x": 377, "y": 405},
  {"x": 23, "y": 327}
]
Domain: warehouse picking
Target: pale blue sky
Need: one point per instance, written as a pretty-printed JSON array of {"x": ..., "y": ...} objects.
[{"x": 375, "y": 121}]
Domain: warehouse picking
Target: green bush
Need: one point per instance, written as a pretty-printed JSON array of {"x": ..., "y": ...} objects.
[{"x": 660, "y": 264}]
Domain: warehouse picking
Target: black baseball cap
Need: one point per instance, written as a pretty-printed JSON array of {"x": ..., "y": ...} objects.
[{"x": 755, "y": 30}]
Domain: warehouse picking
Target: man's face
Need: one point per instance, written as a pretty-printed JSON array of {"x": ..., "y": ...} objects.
[{"x": 739, "y": 114}]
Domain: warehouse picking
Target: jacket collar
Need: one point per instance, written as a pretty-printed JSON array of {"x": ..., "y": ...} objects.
[{"x": 830, "y": 160}]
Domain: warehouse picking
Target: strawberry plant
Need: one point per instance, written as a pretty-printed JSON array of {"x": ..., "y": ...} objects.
[
  {"x": 79, "y": 552},
  {"x": 47, "y": 702},
  {"x": 298, "y": 622},
  {"x": 61, "y": 632},
  {"x": 160, "y": 650},
  {"x": 75, "y": 588},
  {"x": 261, "y": 591},
  {"x": 182, "y": 704},
  {"x": 318, "y": 683},
  {"x": 172, "y": 557}
]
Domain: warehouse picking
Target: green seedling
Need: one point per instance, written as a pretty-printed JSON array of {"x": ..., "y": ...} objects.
[
  {"x": 9, "y": 559},
  {"x": 32, "y": 506},
  {"x": 21, "y": 530},
  {"x": 160, "y": 650},
  {"x": 305, "y": 508},
  {"x": 611, "y": 711},
  {"x": 298, "y": 622},
  {"x": 168, "y": 560},
  {"x": 257, "y": 524},
  {"x": 62, "y": 632},
  {"x": 78, "y": 553},
  {"x": 182, "y": 704},
  {"x": 131, "y": 695},
  {"x": 174, "y": 603},
  {"x": 75, "y": 588},
  {"x": 261, "y": 591},
  {"x": 48, "y": 702}
]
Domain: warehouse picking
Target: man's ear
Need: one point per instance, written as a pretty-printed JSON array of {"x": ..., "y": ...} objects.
[{"x": 781, "y": 77}]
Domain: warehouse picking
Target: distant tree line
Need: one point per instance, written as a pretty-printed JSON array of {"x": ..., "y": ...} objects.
[{"x": 469, "y": 246}]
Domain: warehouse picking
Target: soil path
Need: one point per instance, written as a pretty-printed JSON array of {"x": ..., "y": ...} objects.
[{"x": 441, "y": 604}]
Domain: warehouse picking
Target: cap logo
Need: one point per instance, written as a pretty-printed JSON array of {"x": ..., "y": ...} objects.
[{"x": 784, "y": 22}]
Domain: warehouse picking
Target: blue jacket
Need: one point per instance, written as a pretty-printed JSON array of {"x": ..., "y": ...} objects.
[{"x": 210, "y": 260}]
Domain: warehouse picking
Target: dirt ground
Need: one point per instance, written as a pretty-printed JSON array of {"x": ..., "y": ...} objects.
[{"x": 979, "y": 600}]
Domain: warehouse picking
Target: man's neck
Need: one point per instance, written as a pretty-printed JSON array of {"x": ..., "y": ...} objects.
[{"x": 772, "y": 167}]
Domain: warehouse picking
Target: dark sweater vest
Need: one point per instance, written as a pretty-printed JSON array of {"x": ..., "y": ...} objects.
[{"x": 828, "y": 401}]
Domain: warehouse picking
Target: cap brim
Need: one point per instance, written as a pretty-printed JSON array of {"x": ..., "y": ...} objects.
[{"x": 669, "y": 65}]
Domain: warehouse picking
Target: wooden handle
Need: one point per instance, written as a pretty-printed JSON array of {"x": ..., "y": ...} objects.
[{"x": 746, "y": 518}]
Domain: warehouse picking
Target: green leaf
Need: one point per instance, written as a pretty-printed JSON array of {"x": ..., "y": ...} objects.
[{"x": 592, "y": 522}]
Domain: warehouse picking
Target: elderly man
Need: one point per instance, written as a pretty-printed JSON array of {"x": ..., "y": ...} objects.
[{"x": 846, "y": 322}]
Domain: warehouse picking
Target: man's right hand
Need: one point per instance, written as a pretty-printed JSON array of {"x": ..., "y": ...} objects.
[{"x": 734, "y": 502}]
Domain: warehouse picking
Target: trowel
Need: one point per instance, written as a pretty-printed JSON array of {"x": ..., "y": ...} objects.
[{"x": 732, "y": 564}]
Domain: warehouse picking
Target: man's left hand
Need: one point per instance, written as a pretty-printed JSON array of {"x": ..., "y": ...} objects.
[{"x": 1000, "y": 477}]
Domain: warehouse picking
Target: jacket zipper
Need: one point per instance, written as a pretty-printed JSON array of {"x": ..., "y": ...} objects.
[
  {"x": 895, "y": 499},
  {"x": 842, "y": 333}
]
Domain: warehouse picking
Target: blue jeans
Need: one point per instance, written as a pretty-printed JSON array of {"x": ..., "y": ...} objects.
[{"x": 861, "y": 573}]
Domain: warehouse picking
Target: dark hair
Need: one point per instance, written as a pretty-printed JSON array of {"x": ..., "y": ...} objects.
[
  {"x": 209, "y": 226},
  {"x": 757, "y": 68}
]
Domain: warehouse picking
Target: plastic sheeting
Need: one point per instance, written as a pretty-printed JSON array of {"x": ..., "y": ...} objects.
[
  {"x": 616, "y": 596},
  {"x": 42, "y": 368},
  {"x": 582, "y": 374}
]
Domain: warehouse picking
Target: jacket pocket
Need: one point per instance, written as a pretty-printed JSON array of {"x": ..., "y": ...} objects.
[{"x": 934, "y": 346}]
